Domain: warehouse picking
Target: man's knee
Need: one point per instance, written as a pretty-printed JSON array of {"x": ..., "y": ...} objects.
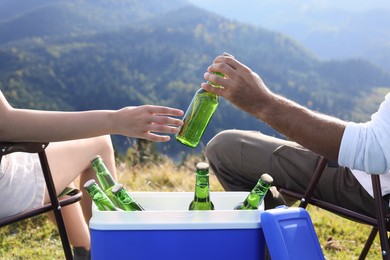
[{"x": 220, "y": 143}]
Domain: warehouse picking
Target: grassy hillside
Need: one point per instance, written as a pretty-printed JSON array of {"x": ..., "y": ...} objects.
[{"x": 37, "y": 239}]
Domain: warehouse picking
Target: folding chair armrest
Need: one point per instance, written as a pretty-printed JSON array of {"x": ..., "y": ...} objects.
[
  {"x": 71, "y": 198},
  {"x": 346, "y": 213},
  {"x": 27, "y": 147}
]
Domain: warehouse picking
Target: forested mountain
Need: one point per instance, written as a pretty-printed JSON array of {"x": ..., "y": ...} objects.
[{"x": 75, "y": 55}]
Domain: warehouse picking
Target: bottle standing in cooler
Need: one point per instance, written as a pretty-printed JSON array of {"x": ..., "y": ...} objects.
[
  {"x": 202, "y": 199},
  {"x": 256, "y": 196},
  {"x": 127, "y": 202},
  {"x": 105, "y": 179},
  {"x": 98, "y": 196}
]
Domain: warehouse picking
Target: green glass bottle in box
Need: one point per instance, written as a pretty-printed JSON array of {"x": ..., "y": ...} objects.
[
  {"x": 127, "y": 202},
  {"x": 105, "y": 178},
  {"x": 256, "y": 196},
  {"x": 202, "y": 199},
  {"x": 98, "y": 196}
]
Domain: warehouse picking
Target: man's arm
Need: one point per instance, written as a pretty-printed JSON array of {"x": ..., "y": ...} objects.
[
  {"x": 320, "y": 133},
  {"x": 245, "y": 89}
]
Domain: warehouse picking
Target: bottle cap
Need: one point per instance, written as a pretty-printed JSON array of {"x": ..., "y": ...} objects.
[
  {"x": 96, "y": 157},
  {"x": 89, "y": 183},
  {"x": 265, "y": 177},
  {"x": 227, "y": 54},
  {"x": 202, "y": 166},
  {"x": 116, "y": 188}
]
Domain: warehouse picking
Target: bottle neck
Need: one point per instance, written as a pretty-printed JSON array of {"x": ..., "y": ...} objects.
[
  {"x": 123, "y": 196},
  {"x": 257, "y": 194},
  {"x": 96, "y": 193},
  {"x": 261, "y": 188},
  {"x": 100, "y": 198},
  {"x": 105, "y": 178},
  {"x": 202, "y": 186},
  {"x": 201, "y": 91}
]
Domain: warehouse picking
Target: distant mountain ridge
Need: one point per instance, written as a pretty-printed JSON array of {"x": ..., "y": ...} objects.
[
  {"x": 160, "y": 58},
  {"x": 130, "y": 9},
  {"x": 20, "y": 19},
  {"x": 331, "y": 29}
]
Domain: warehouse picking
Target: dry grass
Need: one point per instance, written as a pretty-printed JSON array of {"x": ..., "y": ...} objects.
[{"x": 163, "y": 176}]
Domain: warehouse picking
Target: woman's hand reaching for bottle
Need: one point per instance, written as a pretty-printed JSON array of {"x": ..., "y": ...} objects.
[{"x": 153, "y": 123}]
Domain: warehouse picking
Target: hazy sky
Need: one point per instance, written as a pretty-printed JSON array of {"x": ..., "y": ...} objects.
[
  {"x": 323, "y": 26},
  {"x": 352, "y": 5}
]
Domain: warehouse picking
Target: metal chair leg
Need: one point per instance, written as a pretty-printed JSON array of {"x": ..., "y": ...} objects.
[
  {"x": 368, "y": 243},
  {"x": 56, "y": 206},
  {"x": 379, "y": 223},
  {"x": 313, "y": 183},
  {"x": 380, "y": 216}
]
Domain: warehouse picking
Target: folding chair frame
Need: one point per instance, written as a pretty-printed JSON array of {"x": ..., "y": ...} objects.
[
  {"x": 380, "y": 223},
  {"x": 55, "y": 203}
]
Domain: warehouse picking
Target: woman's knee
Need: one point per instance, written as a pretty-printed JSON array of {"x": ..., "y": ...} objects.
[{"x": 105, "y": 143}]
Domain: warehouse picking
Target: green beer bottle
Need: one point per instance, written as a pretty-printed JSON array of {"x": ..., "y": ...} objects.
[
  {"x": 256, "y": 196},
  {"x": 127, "y": 202},
  {"x": 105, "y": 178},
  {"x": 198, "y": 115},
  {"x": 98, "y": 196},
  {"x": 202, "y": 189}
]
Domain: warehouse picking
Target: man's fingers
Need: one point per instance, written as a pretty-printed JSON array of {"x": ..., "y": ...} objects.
[{"x": 212, "y": 89}]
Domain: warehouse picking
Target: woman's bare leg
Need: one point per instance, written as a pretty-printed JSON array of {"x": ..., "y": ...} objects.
[{"x": 68, "y": 161}]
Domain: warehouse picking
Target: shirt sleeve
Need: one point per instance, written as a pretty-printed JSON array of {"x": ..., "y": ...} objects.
[{"x": 366, "y": 146}]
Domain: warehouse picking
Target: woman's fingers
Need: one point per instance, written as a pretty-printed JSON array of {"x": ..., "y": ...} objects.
[
  {"x": 162, "y": 110},
  {"x": 157, "y": 138}
]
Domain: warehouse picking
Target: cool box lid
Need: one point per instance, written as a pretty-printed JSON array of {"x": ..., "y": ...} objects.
[{"x": 289, "y": 234}]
